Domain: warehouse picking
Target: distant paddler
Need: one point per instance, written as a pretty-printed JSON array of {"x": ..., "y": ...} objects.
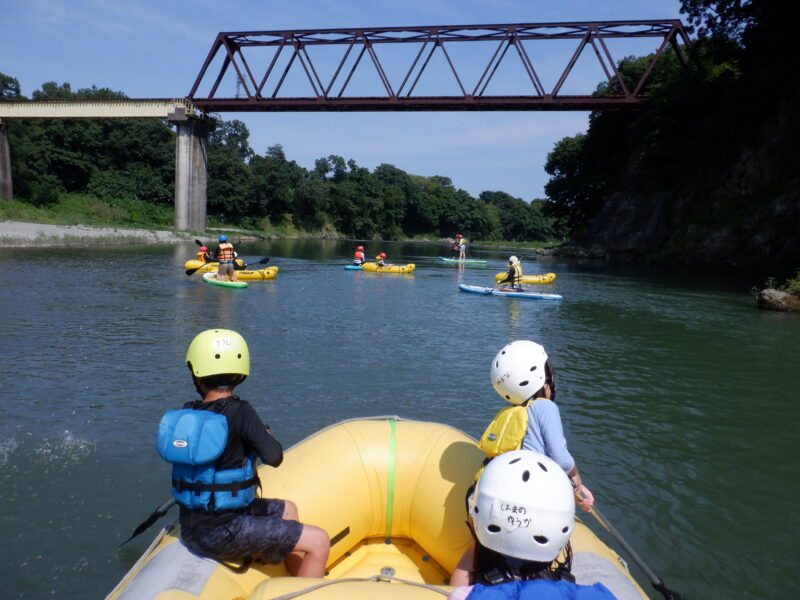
[
  {"x": 203, "y": 255},
  {"x": 513, "y": 278},
  {"x": 226, "y": 255},
  {"x": 359, "y": 258}
]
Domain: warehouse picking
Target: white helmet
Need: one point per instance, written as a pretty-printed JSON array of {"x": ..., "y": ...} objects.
[
  {"x": 523, "y": 506},
  {"x": 513, "y": 260},
  {"x": 518, "y": 370}
]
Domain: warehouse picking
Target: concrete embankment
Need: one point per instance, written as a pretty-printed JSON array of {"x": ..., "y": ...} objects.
[{"x": 18, "y": 234}]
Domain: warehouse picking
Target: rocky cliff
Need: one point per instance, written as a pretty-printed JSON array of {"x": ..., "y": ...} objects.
[{"x": 745, "y": 214}]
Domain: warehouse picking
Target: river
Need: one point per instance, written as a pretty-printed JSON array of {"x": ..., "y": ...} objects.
[{"x": 680, "y": 399}]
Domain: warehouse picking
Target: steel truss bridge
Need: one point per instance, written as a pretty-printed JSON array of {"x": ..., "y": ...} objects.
[{"x": 262, "y": 81}]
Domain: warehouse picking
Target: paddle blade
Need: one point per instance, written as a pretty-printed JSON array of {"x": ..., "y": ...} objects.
[
  {"x": 666, "y": 592},
  {"x": 263, "y": 261},
  {"x": 193, "y": 271},
  {"x": 143, "y": 526},
  {"x": 157, "y": 513},
  {"x": 199, "y": 243}
]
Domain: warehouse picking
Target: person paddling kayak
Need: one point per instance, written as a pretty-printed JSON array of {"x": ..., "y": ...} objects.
[
  {"x": 359, "y": 257},
  {"x": 203, "y": 255}
]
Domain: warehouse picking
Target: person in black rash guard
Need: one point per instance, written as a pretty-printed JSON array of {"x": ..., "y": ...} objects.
[{"x": 224, "y": 520}]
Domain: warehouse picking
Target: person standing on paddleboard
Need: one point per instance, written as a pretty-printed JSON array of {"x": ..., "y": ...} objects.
[
  {"x": 213, "y": 444},
  {"x": 226, "y": 256},
  {"x": 462, "y": 247}
]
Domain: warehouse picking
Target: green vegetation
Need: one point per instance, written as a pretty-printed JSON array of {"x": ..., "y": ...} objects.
[
  {"x": 790, "y": 286},
  {"x": 716, "y": 141},
  {"x": 83, "y": 209},
  {"x": 115, "y": 172}
]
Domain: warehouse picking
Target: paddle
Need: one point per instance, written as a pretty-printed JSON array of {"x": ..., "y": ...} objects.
[
  {"x": 157, "y": 513},
  {"x": 263, "y": 261},
  {"x": 655, "y": 580}
]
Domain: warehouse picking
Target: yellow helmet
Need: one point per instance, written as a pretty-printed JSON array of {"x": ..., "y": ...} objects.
[{"x": 218, "y": 352}]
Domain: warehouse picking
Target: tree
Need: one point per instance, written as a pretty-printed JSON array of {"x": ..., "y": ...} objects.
[{"x": 9, "y": 88}]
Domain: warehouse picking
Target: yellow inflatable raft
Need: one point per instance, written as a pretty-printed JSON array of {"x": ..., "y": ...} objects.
[
  {"x": 243, "y": 275},
  {"x": 374, "y": 268},
  {"x": 543, "y": 278},
  {"x": 206, "y": 267},
  {"x": 390, "y": 493}
]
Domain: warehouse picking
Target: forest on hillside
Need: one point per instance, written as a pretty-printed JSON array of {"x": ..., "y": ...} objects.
[
  {"x": 107, "y": 159},
  {"x": 709, "y": 171}
]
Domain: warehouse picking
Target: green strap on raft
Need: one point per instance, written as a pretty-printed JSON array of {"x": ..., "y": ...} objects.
[{"x": 390, "y": 483}]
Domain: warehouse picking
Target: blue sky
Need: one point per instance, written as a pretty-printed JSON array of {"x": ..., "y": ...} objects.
[{"x": 154, "y": 49}]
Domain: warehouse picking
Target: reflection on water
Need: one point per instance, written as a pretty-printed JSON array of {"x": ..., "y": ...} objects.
[{"x": 679, "y": 399}]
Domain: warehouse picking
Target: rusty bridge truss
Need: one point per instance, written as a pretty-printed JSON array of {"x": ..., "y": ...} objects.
[{"x": 260, "y": 62}]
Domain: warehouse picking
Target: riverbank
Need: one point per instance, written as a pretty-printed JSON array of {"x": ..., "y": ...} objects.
[{"x": 21, "y": 234}]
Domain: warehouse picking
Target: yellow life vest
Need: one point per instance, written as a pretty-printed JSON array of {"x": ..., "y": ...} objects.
[{"x": 506, "y": 430}]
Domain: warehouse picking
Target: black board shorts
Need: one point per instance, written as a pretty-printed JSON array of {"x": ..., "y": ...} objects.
[{"x": 260, "y": 533}]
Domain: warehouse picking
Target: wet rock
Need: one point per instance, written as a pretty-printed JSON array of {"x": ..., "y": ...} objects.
[{"x": 771, "y": 299}]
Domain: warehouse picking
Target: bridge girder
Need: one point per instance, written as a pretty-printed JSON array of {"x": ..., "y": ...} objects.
[{"x": 263, "y": 93}]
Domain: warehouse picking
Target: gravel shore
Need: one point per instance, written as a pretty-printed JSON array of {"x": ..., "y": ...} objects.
[{"x": 16, "y": 234}]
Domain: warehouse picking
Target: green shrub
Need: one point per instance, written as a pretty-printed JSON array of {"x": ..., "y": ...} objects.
[{"x": 43, "y": 194}]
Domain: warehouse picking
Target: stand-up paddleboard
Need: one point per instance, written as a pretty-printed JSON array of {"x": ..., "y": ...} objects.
[
  {"x": 353, "y": 267},
  {"x": 487, "y": 291},
  {"x": 466, "y": 261},
  {"x": 212, "y": 279}
]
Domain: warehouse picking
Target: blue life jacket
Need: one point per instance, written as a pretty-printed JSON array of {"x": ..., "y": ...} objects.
[
  {"x": 540, "y": 589},
  {"x": 192, "y": 440}
]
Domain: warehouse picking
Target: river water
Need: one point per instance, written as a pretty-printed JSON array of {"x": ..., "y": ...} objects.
[{"x": 680, "y": 399}]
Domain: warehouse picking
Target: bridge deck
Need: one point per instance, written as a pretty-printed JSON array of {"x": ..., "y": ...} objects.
[{"x": 174, "y": 109}]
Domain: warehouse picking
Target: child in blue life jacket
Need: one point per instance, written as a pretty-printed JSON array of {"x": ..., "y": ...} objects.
[
  {"x": 213, "y": 444},
  {"x": 522, "y": 515}
]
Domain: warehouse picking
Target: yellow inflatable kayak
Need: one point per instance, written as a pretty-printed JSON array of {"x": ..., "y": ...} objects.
[
  {"x": 390, "y": 493},
  {"x": 374, "y": 268},
  {"x": 206, "y": 267},
  {"x": 243, "y": 275},
  {"x": 543, "y": 278}
]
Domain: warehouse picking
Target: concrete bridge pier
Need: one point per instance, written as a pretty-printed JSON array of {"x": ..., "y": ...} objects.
[
  {"x": 191, "y": 171},
  {"x": 6, "y": 188}
]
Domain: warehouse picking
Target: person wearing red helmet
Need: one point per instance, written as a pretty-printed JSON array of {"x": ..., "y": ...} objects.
[
  {"x": 380, "y": 260},
  {"x": 359, "y": 257},
  {"x": 203, "y": 254},
  {"x": 462, "y": 247}
]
